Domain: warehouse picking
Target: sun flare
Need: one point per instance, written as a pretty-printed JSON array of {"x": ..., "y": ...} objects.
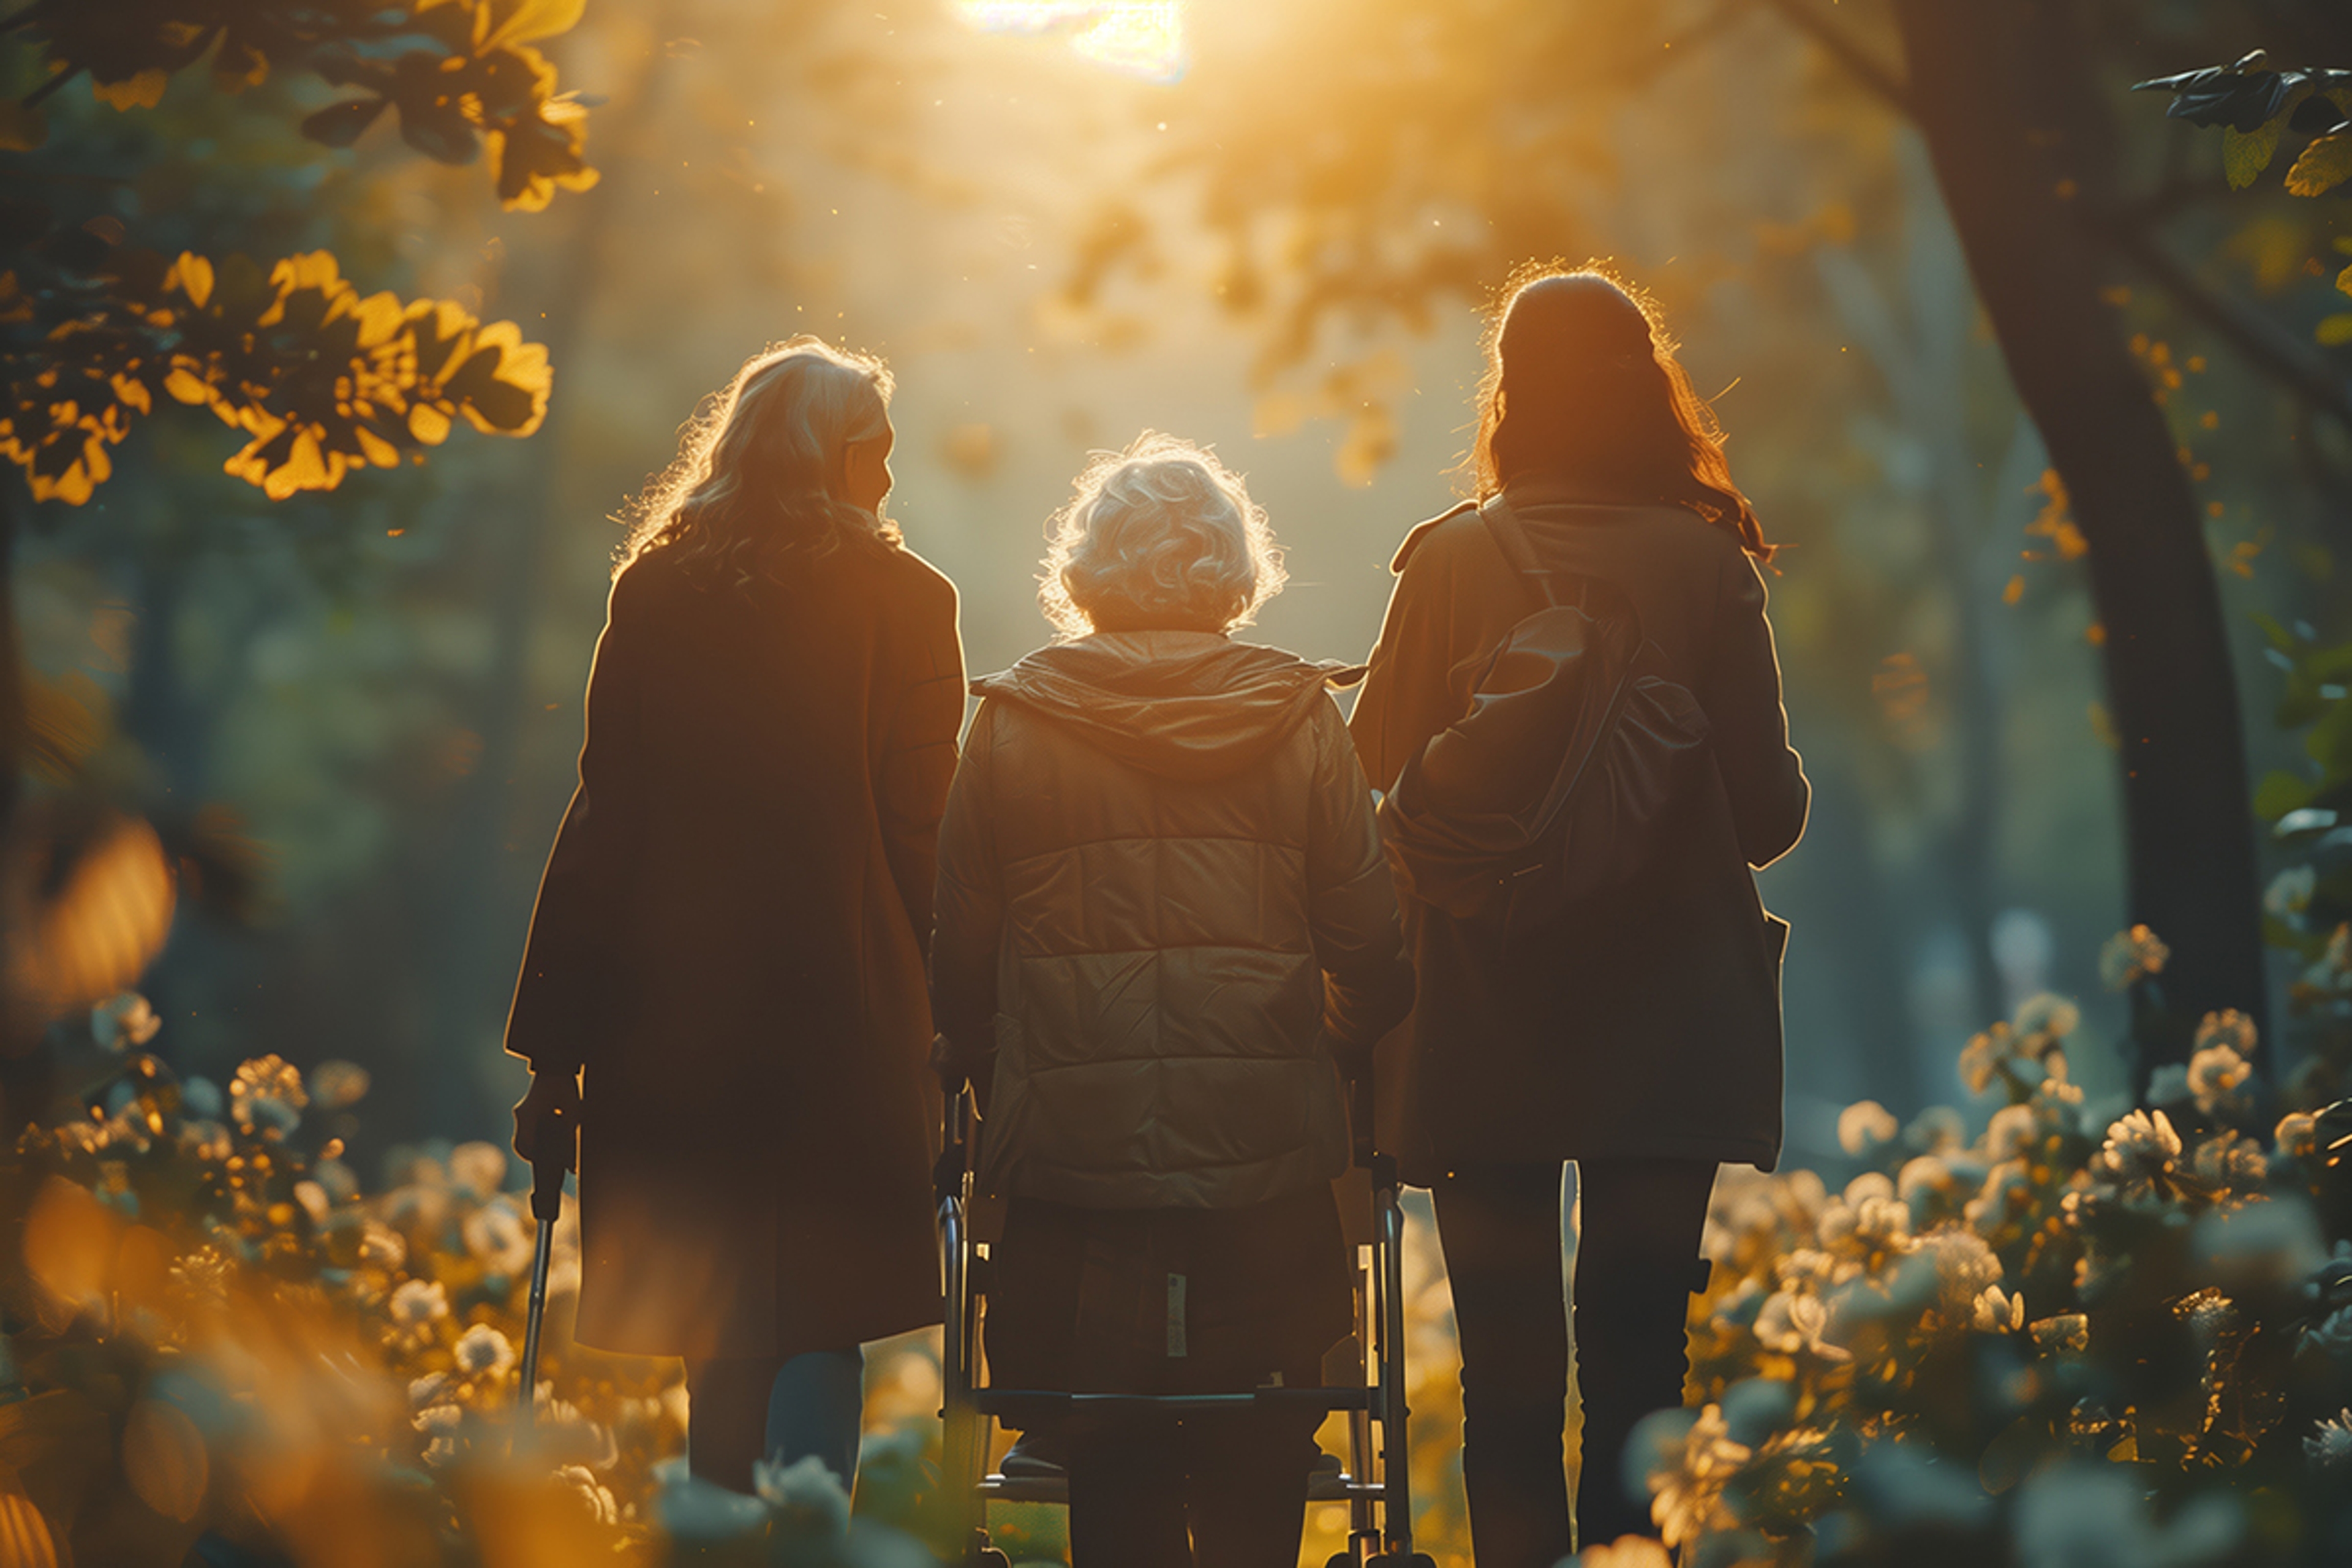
[{"x": 1138, "y": 38}]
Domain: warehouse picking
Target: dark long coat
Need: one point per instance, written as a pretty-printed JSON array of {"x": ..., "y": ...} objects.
[
  {"x": 1651, "y": 1026},
  {"x": 730, "y": 936}
]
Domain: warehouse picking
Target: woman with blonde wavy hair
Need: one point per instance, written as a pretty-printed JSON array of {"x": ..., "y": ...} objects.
[{"x": 725, "y": 971}]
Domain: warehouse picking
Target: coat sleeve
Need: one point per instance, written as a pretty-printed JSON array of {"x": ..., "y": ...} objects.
[
  {"x": 1352, "y": 911},
  {"x": 1748, "y": 726},
  {"x": 570, "y": 988},
  {"x": 969, "y": 910},
  {"x": 919, "y": 759}
]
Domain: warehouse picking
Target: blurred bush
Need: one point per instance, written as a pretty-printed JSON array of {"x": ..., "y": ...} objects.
[
  {"x": 219, "y": 1349},
  {"x": 2085, "y": 1335}
]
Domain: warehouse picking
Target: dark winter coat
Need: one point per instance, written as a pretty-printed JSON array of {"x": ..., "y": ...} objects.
[
  {"x": 1162, "y": 899},
  {"x": 1651, "y": 1024},
  {"x": 730, "y": 936}
]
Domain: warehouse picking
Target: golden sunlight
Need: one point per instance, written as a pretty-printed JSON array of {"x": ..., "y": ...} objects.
[{"x": 1140, "y": 37}]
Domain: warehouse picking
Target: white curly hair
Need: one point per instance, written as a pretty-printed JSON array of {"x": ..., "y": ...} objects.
[{"x": 1159, "y": 536}]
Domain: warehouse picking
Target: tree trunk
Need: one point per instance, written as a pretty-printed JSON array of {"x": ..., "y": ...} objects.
[
  {"x": 12, "y": 659},
  {"x": 2000, "y": 93}
]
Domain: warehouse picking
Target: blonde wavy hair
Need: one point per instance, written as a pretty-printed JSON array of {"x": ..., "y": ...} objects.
[
  {"x": 1159, "y": 536},
  {"x": 759, "y": 471}
]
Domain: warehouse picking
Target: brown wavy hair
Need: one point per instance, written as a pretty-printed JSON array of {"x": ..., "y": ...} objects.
[
  {"x": 757, "y": 475},
  {"x": 1581, "y": 380}
]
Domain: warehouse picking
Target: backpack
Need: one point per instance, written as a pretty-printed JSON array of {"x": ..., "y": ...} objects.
[{"x": 1554, "y": 783}]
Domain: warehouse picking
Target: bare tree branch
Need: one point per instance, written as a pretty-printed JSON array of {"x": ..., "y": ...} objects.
[
  {"x": 1847, "y": 51},
  {"x": 2277, "y": 354}
]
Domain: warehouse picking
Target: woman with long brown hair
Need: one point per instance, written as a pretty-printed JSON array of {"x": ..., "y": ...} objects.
[
  {"x": 1638, "y": 1036},
  {"x": 725, "y": 976}
]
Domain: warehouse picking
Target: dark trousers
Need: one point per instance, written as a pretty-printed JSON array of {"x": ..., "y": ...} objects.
[
  {"x": 1637, "y": 1261},
  {"x": 1220, "y": 1490},
  {"x": 744, "y": 1409}
]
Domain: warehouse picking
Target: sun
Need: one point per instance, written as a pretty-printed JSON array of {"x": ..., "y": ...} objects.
[{"x": 1138, "y": 38}]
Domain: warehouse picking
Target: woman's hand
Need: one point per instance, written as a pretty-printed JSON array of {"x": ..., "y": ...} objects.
[{"x": 553, "y": 1102}]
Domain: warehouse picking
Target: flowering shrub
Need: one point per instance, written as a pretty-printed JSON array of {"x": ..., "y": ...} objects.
[
  {"x": 2086, "y": 1335},
  {"x": 216, "y": 1340}
]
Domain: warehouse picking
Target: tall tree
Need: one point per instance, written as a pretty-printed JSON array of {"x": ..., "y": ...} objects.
[{"x": 2007, "y": 98}]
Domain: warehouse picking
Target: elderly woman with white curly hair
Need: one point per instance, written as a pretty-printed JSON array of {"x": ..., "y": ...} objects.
[{"x": 1165, "y": 931}]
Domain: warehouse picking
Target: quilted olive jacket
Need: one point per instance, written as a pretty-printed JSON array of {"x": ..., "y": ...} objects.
[{"x": 1163, "y": 902}]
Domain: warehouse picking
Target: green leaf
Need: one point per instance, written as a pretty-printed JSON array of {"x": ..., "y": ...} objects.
[
  {"x": 2322, "y": 166},
  {"x": 2278, "y": 794},
  {"x": 2246, "y": 154}
]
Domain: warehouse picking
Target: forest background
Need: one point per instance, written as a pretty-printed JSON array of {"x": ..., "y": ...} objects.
[{"x": 1270, "y": 228}]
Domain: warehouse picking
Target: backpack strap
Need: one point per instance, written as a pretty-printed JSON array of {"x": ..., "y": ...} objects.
[{"x": 1510, "y": 537}]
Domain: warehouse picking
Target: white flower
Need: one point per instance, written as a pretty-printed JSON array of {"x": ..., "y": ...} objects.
[
  {"x": 2230, "y": 1162},
  {"x": 2229, "y": 1027},
  {"x": 480, "y": 1168},
  {"x": 424, "y": 1391},
  {"x": 1965, "y": 1269},
  {"x": 482, "y": 1348},
  {"x": 2329, "y": 1446},
  {"x": 2289, "y": 893},
  {"x": 442, "y": 1420},
  {"x": 382, "y": 1246},
  {"x": 1794, "y": 1323},
  {"x": 2216, "y": 1074},
  {"x": 123, "y": 1021},
  {"x": 2014, "y": 1131},
  {"x": 337, "y": 1084},
  {"x": 2132, "y": 956},
  {"x": 1924, "y": 1173},
  {"x": 267, "y": 1096},
  {"x": 1997, "y": 1311},
  {"x": 1865, "y": 1124},
  {"x": 2298, "y": 1135},
  {"x": 313, "y": 1199},
  {"x": 1686, "y": 1495},
  {"x": 417, "y": 1301},
  {"x": 2007, "y": 1188},
  {"x": 497, "y": 1235},
  {"x": 2141, "y": 1150},
  {"x": 593, "y": 1496},
  {"x": 2044, "y": 1020},
  {"x": 565, "y": 1435}
]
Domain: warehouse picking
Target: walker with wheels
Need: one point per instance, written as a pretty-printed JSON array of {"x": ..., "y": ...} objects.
[{"x": 1374, "y": 1481}]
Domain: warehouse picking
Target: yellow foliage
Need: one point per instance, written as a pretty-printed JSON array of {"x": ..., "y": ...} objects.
[
  {"x": 145, "y": 90},
  {"x": 24, "y": 1539},
  {"x": 2322, "y": 166},
  {"x": 2246, "y": 154},
  {"x": 164, "y": 1457},
  {"x": 400, "y": 376},
  {"x": 94, "y": 936},
  {"x": 70, "y": 1241}
]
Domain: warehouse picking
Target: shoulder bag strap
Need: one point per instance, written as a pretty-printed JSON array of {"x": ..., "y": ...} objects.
[{"x": 1510, "y": 537}]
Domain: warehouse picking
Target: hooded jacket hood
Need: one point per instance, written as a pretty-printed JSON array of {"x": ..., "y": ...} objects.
[{"x": 1191, "y": 706}]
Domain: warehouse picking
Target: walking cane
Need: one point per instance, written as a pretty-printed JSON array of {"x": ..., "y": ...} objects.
[{"x": 552, "y": 1150}]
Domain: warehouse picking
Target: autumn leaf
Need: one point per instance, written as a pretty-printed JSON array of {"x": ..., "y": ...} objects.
[
  {"x": 2246, "y": 154},
  {"x": 2322, "y": 166}
]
